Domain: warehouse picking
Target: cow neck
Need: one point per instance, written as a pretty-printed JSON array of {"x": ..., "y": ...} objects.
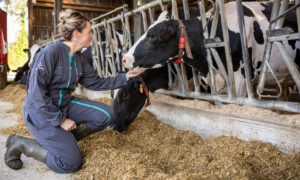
[
  {"x": 183, "y": 44},
  {"x": 144, "y": 89}
]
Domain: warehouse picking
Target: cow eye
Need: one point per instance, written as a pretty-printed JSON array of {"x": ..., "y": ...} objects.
[
  {"x": 124, "y": 95},
  {"x": 151, "y": 36}
]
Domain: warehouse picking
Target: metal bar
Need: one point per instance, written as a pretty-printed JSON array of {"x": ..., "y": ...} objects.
[
  {"x": 283, "y": 7},
  {"x": 222, "y": 69},
  {"x": 289, "y": 63},
  {"x": 145, "y": 23},
  {"x": 186, "y": 9},
  {"x": 174, "y": 9},
  {"x": 215, "y": 21},
  {"x": 244, "y": 48},
  {"x": 161, "y": 4},
  {"x": 150, "y": 10},
  {"x": 267, "y": 51},
  {"x": 123, "y": 7},
  {"x": 101, "y": 52},
  {"x": 96, "y": 48},
  {"x": 128, "y": 31},
  {"x": 284, "y": 37},
  {"x": 298, "y": 16},
  {"x": 214, "y": 45},
  {"x": 110, "y": 54},
  {"x": 195, "y": 74},
  {"x": 183, "y": 68},
  {"x": 227, "y": 48},
  {"x": 179, "y": 73},
  {"x": 135, "y": 11},
  {"x": 275, "y": 105},
  {"x": 175, "y": 16},
  {"x": 208, "y": 54},
  {"x": 116, "y": 48},
  {"x": 285, "y": 12}
]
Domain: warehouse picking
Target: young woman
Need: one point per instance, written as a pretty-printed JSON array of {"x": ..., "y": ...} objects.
[{"x": 55, "y": 118}]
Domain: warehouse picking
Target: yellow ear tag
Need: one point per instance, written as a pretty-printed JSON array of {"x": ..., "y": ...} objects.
[
  {"x": 141, "y": 88},
  {"x": 139, "y": 3}
]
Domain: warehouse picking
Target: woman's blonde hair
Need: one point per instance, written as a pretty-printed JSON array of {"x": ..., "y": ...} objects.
[{"x": 70, "y": 21}]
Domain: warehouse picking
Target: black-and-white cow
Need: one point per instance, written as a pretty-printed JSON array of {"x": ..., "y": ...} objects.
[
  {"x": 22, "y": 72},
  {"x": 159, "y": 45},
  {"x": 129, "y": 101}
]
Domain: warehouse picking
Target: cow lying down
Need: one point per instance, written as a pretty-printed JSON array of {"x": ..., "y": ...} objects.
[
  {"x": 159, "y": 45},
  {"x": 132, "y": 98}
]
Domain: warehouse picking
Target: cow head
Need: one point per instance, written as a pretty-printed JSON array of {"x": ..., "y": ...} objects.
[
  {"x": 157, "y": 46},
  {"x": 127, "y": 104}
]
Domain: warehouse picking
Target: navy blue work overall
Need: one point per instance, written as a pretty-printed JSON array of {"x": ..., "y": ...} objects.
[{"x": 49, "y": 101}]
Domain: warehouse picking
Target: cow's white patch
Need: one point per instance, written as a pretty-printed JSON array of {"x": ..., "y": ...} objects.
[
  {"x": 115, "y": 92},
  {"x": 157, "y": 66},
  {"x": 171, "y": 58},
  {"x": 33, "y": 50},
  {"x": 128, "y": 61},
  {"x": 142, "y": 108}
]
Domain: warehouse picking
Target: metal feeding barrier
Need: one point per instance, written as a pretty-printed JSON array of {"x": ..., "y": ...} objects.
[{"x": 107, "y": 52}]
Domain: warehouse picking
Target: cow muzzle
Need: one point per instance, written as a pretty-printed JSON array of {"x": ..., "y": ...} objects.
[{"x": 128, "y": 61}]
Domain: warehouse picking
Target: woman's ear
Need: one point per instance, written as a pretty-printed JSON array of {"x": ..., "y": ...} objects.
[{"x": 75, "y": 35}]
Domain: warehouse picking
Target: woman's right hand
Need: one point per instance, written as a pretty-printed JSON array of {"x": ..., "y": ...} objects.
[{"x": 68, "y": 125}]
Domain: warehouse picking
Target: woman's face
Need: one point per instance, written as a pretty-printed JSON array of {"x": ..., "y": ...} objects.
[{"x": 85, "y": 36}]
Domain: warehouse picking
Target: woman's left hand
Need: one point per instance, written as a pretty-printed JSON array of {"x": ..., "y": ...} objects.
[{"x": 135, "y": 72}]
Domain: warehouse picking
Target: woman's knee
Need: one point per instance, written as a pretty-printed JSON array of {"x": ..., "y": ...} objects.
[
  {"x": 64, "y": 164},
  {"x": 101, "y": 122}
]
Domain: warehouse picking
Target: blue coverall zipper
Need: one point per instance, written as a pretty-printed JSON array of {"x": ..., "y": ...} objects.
[{"x": 70, "y": 74}]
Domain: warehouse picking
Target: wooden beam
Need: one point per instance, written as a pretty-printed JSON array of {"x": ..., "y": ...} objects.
[
  {"x": 57, "y": 9},
  {"x": 30, "y": 18},
  {"x": 76, "y": 6}
]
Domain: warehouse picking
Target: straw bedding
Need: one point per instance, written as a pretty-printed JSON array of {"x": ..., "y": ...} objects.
[{"x": 152, "y": 150}]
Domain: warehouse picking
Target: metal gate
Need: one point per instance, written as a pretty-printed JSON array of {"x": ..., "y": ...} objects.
[{"x": 108, "y": 60}]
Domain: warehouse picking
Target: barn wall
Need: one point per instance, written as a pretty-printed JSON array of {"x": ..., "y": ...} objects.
[{"x": 41, "y": 17}]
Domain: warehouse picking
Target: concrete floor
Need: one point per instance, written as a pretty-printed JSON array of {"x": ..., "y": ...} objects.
[{"x": 32, "y": 169}]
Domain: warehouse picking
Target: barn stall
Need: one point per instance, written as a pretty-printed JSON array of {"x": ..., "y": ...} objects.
[{"x": 150, "y": 149}]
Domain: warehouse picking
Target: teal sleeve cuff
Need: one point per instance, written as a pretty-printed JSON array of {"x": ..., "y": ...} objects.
[{"x": 127, "y": 78}]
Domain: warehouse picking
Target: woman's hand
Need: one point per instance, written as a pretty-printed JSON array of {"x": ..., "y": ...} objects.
[
  {"x": 135, "y": 72},
  {"x": 68, "y": 125}
]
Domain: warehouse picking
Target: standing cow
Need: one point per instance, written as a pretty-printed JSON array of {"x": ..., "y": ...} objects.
[{"x": 159, "y": 45}]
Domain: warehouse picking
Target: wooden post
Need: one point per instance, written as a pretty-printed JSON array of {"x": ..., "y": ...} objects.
[
  {"x": 30, "y": 22},
  {"x": 57, "y": 9}
]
